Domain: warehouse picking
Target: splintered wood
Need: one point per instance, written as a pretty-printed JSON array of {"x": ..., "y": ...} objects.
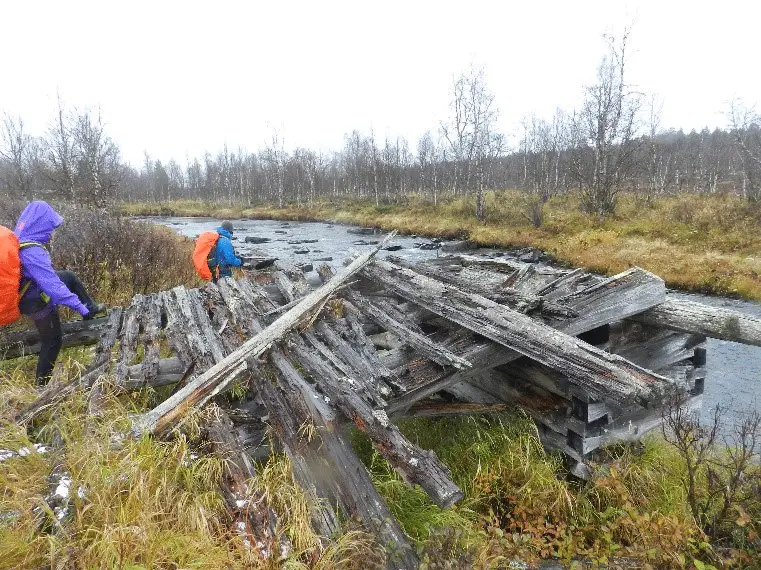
[{"x": 590, "y": 359}]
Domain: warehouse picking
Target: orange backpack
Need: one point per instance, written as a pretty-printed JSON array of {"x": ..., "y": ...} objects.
[
  {"x": 10, "y": 275},
  {"x": 204, "y": 253}
]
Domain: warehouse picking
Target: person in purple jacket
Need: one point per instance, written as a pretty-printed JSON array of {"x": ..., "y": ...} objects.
[{"x": 42, "y": 288}]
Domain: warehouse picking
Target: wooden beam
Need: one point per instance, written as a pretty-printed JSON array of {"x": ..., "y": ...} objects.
[
  {"x": 75, "y": 333},
  {"x": 601, "y": 373},
  {"x": 414, "y": 464},
  {"x": 414, "y": 339},
  {"x": 253, "y": 519},
  {"x": 323, "y": 460},
  {"x": 207, "y": 385},
  {"x": 698, "y": 318},
  {"x": 427, "y": 409},
  {"x": 632, "y": 292}
]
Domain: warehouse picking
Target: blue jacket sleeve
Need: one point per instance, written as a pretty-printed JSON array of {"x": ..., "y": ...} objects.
[{"x": 226, "y": 253}]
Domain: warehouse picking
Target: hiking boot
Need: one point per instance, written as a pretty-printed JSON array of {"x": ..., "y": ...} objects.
[{"x": 97, "y": 309}]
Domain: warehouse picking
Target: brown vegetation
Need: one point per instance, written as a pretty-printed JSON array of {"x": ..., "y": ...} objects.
[{"x": 698, "y": 243}]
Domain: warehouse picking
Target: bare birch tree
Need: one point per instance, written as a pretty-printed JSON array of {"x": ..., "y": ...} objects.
[
  {"x": 471, "y": 132},
  {"x": 61, "y": 154},
  {"x": 18, "y": 149},
  {"x": 542, "y": 150},
  {"x": 606, "y": 132},
  {"x": 97, "y": 159},
  {"x": 659, "y": 166},
  {"x": 745, "y": 125}
]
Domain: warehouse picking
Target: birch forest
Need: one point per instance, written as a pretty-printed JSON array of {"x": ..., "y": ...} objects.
[{"x": 611, "y": 143}]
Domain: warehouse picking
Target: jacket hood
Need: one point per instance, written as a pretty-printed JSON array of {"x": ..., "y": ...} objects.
[
  {"x": 223, "y": 232},
  {"x": 37, "y": 222}
]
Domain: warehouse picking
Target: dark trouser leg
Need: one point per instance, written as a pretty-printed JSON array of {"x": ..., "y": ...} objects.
[
  {"x": 51, "y": 340},
  {"x": 74, "y": 285}
]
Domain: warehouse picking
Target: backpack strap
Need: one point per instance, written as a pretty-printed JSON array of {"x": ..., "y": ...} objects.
[
  {"x": 26, "y": 244},
  {"x": 25, "y": 287}
]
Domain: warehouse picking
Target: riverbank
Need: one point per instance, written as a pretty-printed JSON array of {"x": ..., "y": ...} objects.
[
  {"x": 518, "y": 503},
  {"x": 706, "y": 244}
]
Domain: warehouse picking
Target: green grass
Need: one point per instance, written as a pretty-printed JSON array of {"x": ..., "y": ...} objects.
[
  {"x": 149, "y": 503},
  {"x": 519, "y": 504}
]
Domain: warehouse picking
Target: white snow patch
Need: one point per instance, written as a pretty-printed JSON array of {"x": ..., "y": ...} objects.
[
  {"x": 24, "y": 451},
  {"x": 6, "y": 454},
  {"x": 241, "y": 526},
  {"x": 63, "y": 487},
  {"x": 81, "y": 492},
  {"x": 240, "y": 503}
]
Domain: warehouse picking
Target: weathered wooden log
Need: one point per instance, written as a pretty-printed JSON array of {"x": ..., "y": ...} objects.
[
  {"x": 469, "y": 393},
  {"x": 604, "y": 374},
  {"x": 151, "y": 323},
  {"x": 698, "y": 318},
  {"x": 523, "y": 279},
  {"x": 660, "y": 348},
  {"x": 541, "y": 405},
  {"x": 207, "y": 385},
  {"x": 610, "y": 300},
  {"x": 415, "y": 465},
  {"x": 632, "y": 292},
  {"x": 561, "y": 282},
  {"x": 328, "y": 465},
  {"x": 361, "y": 384},
  {"x": 426, "y": 409},
  {"x": 75, "y": 333},
  {"x": 101, "y": 360},
  {"x": 324, "y": 463},
  {"x": 288, "y": 414},
  {"x": 285, "y": 286},
  {"x": 168, "y": 371},
  {"x": 128, "y": 338},
  {"x": 408, "y": 336},
  {"x": 521, "y": 301},
  {"x": 356, "y": 365},
  {"x": 252, "y": 516},
  {"x": 503, "y": 265}
]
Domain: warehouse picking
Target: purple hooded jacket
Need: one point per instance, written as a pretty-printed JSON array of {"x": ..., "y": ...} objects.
[{"x": 36, "y": 223}]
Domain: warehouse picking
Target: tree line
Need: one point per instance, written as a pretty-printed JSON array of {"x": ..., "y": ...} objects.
[{"x": 611, "y": 143}]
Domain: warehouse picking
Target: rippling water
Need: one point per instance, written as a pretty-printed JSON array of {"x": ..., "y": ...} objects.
[{"x": 733, "y": 374}]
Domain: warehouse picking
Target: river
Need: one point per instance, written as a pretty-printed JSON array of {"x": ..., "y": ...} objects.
[{"x": 733, "y": 371}]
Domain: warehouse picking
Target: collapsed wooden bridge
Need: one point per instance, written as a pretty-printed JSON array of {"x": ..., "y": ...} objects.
[{"x": 589, "y": 358}]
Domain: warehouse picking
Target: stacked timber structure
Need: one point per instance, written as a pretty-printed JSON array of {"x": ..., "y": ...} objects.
[{"x": 589, "y": 358}]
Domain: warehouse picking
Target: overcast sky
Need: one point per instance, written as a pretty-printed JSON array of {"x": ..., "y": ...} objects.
[{"x": 178, "y": 78}]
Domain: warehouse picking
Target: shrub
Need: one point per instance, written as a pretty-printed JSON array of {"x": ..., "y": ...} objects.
[
  {"x": 115, "y": 257},
  {"x": 119, "y": 258}
]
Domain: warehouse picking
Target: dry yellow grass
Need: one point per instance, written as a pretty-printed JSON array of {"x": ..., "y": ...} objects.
[{"x": 699, "y": 243}]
